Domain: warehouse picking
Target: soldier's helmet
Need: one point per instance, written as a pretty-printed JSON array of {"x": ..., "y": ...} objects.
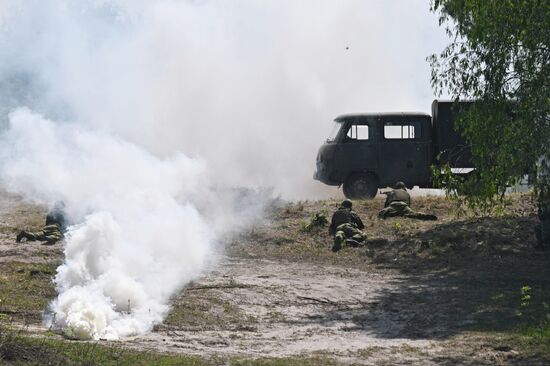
[
  {"x": 400, "y": 185},
  {"x": 346, "y": 203},
  {"x": 59, "y": 205}
]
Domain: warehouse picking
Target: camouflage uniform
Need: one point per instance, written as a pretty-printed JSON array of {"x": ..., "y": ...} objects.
[
  {"x": 52, "y": 231},
  {"x": 398, "y": 203},
  {"x": 346, "y": 227}
]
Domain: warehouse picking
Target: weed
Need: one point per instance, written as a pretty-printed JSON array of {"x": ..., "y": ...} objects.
[
  {"x": 525, "y": 296},
  {"x": 536, "y": 316},
  {"x": 317, "y": 220},
  {"x": 396, "y": 229}
]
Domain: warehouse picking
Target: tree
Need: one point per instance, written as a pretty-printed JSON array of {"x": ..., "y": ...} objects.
[{"x": 499, "y": 58}]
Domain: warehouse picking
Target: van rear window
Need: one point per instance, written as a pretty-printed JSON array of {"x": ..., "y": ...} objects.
[{"x": 407, "y": 130}]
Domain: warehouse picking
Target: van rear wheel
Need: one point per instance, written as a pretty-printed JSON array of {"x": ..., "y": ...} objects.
[{"x": 360, "y": 186}]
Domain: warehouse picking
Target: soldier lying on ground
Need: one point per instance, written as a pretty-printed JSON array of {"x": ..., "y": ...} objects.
[
  {"x": 398, "y": 202},
  {"x": 345, "y": 226},
  {"x": 53, "y": 229}
]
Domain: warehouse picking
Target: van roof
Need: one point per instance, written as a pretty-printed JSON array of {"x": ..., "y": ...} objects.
[{"x": 346, "y": 117}]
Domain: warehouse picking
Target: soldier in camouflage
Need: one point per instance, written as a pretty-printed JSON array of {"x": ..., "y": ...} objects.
[
  {"x": 398, "y": 203},
  {"x": 53, "y": 229},
  {"x": 346, "y": 227}
]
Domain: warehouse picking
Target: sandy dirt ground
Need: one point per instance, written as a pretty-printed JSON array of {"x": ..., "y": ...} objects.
[{"x": 356, "y": 316}]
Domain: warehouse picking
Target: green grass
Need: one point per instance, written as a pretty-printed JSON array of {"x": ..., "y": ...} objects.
[
  {"x": 538, "y": 335},
  {"x": 532, "y": 340},
  {"x": 17, "y": 348},
  {"x": 26, "y": 289}
]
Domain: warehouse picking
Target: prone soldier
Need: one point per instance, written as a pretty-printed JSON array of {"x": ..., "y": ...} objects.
[
  {"x": 398, "y": 202},
  {"x": 346, "y": 227},
  {"x": 53, "y": 229}
]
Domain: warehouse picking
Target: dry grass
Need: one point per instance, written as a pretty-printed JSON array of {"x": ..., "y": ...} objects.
[
  {"x": 206, "y": 309},
  {"x": 25, "y": 290},
  {"x": 395, "y": 240}
]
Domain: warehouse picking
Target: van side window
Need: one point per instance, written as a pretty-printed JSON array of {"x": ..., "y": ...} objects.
[
  {"x": 358, "y": 132},
  {"x": 407, "y": 130}
]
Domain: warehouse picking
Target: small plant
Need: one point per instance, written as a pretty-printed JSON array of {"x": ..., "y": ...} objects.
[
  {"x": 535, "y": 315},
  {"x": 525, "y": 296},
  {"x": 396, "y": 229},
  {"x": 316, "y": 221}
]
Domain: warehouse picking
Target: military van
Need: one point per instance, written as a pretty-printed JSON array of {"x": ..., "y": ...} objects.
[{"x": 366, "y": 152}]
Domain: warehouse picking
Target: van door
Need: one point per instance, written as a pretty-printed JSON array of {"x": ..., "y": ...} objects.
[
  {"x": 359, "y": 150},
  {"x": 405, "y": 150}
]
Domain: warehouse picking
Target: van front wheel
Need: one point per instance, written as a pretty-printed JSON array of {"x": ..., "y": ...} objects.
[{"x": 360, "y": 186}]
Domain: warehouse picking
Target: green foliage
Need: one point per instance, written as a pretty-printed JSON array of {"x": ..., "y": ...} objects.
[
  {"x": 474, "y": 193},
  {"x": 533, "y": 310},
  {"x": 525, "y": 296},
  {"x": 536, "y": 314},
  {"x": 499, "y": 57},
  {"x": 316, "y": 221}
]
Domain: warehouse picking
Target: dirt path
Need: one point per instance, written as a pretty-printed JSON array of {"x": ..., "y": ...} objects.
[{"x": 294, "y": 309}]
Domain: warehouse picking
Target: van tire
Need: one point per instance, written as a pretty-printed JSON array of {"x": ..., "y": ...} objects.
[{"x": 361, "y": 186}]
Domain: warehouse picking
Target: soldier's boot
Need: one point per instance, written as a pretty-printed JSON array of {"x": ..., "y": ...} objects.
[
  {"x": 21, "y": 236},
  {"x": 353, "y": 243},
  {"x": 50, "y": 241},
  {"x": 428, "y": 217},
  {"x": 383, "y": 214},
  {"x": 338, "y": 239},
  {"x": 420, "y": 216},
  {"x": 360, "y": 237}
]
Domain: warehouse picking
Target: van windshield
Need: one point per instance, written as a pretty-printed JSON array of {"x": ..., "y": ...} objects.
[{"x": 335, "y": 128}]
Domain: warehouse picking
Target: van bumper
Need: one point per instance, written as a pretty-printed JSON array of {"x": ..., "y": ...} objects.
[{"x": 324, "y": 177}]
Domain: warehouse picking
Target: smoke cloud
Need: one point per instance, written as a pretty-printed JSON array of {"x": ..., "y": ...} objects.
[
  {"x": 144, "y": 116},
  {"x": 139, "y": 240}
]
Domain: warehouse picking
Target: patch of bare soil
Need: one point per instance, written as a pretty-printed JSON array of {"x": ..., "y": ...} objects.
[
  {"x": 424, "y": 293},
  {"x": 373, "y": 316}
]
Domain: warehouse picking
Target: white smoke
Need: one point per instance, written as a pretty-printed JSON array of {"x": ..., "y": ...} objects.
[
  {"x": 140, "y": 239},
  {"x": 105, "y": 97}
]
